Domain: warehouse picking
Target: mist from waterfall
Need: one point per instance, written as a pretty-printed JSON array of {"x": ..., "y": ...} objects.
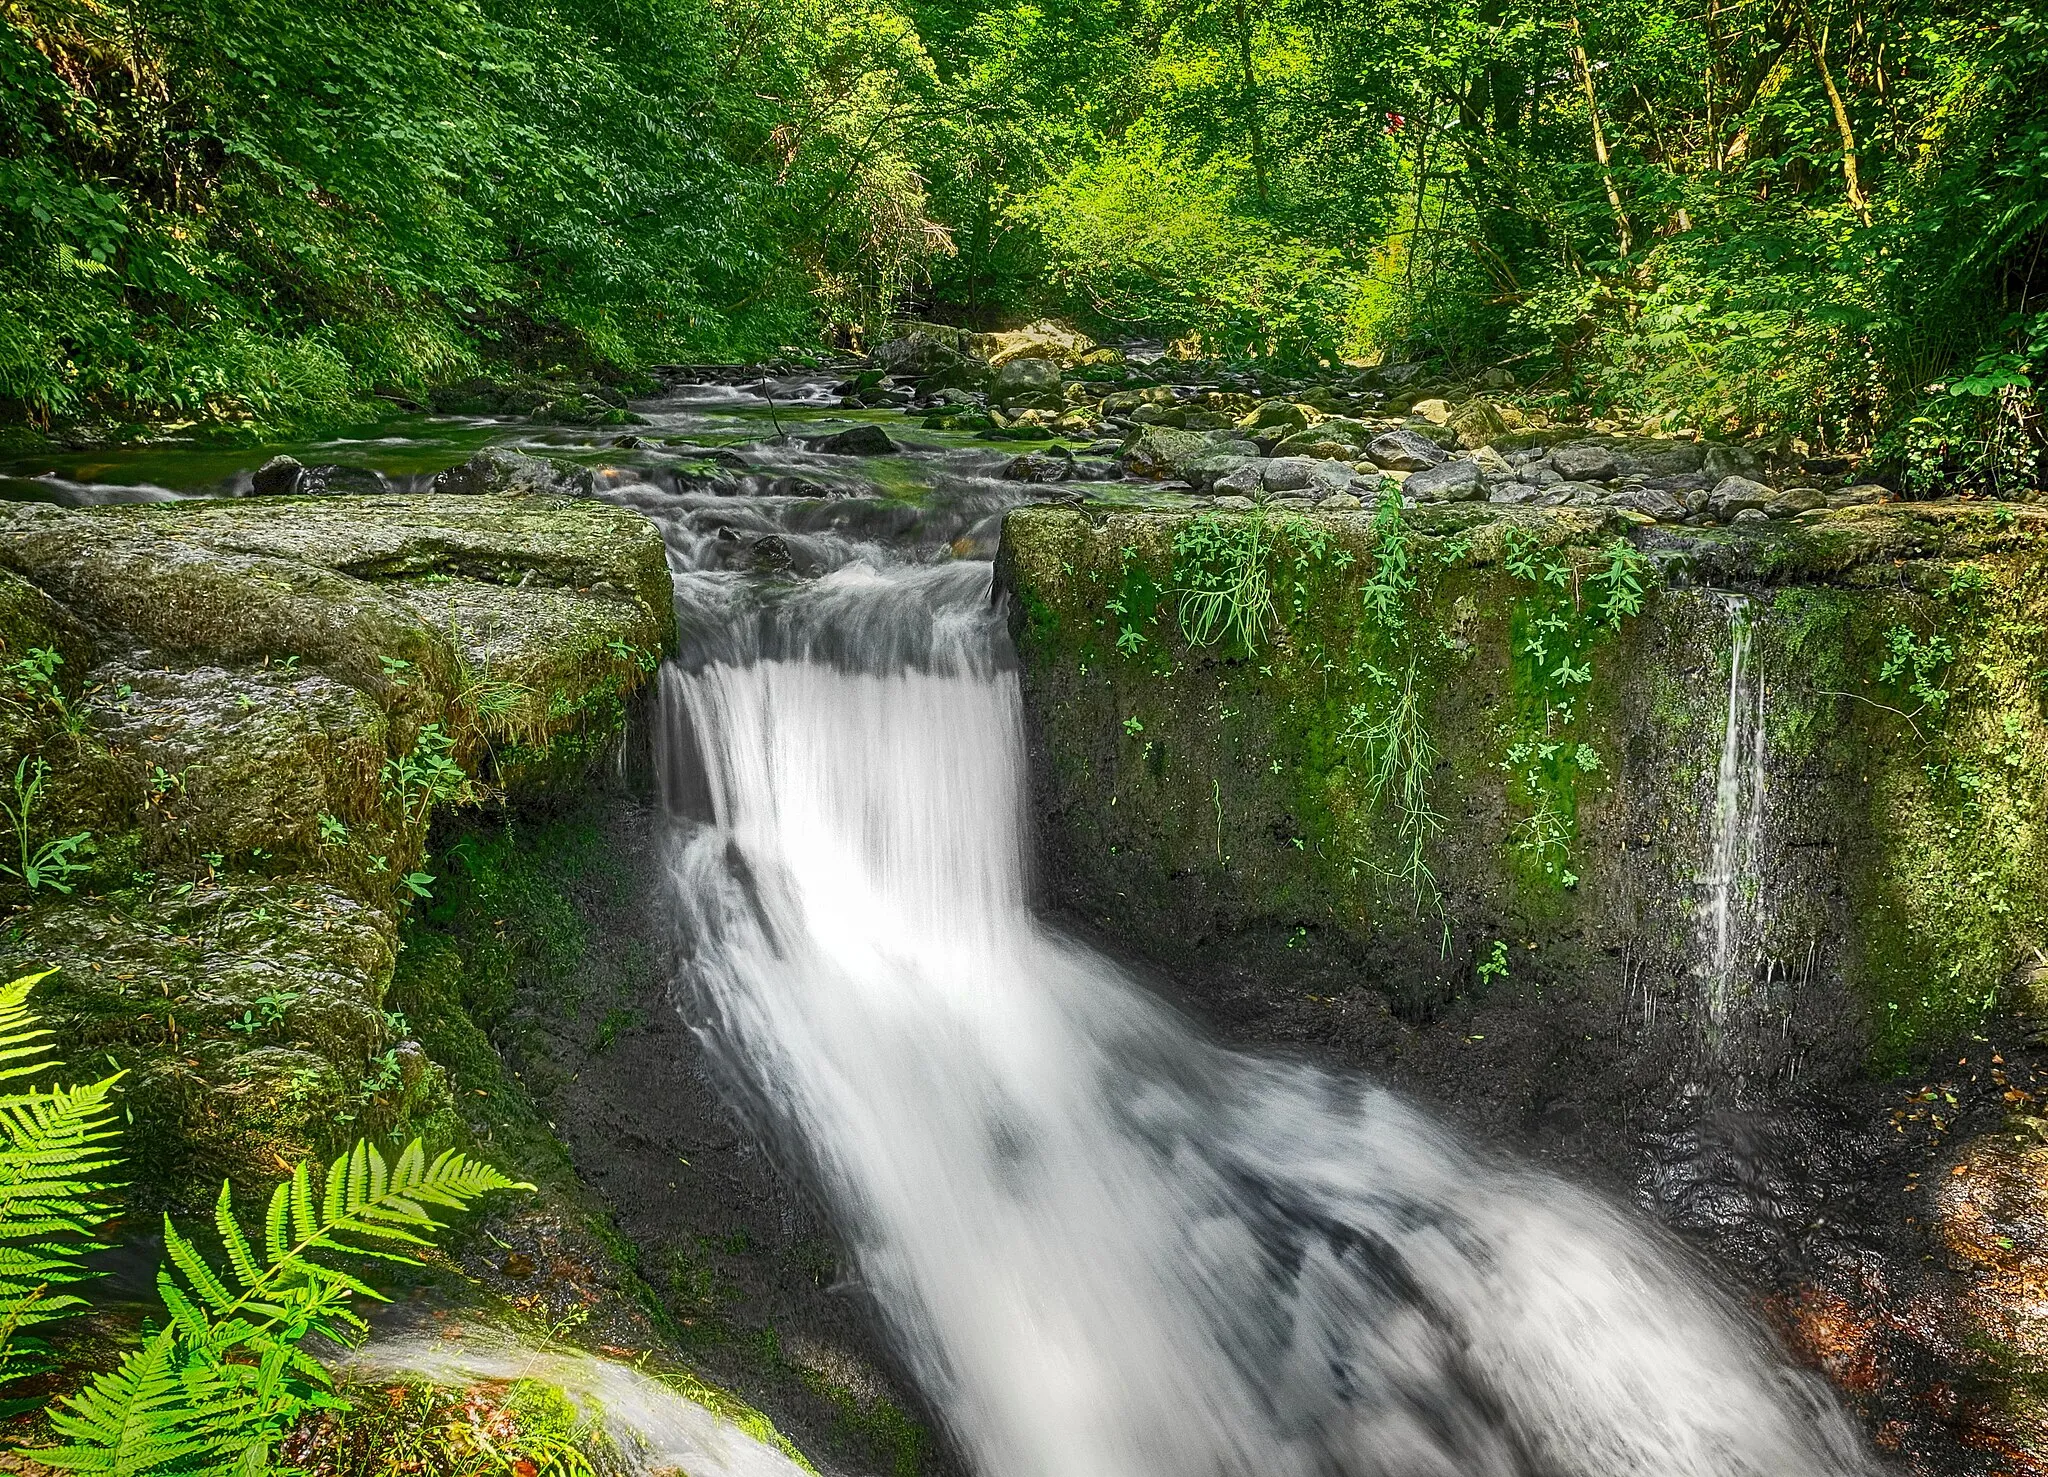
[{"x": 1105, "y": 1247}]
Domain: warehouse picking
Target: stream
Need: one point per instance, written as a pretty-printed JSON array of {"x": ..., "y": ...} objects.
[{"x": 1102, "y": 1245}]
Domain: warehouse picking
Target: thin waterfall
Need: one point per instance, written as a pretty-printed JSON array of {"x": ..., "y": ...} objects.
[
  {"x": 1730, "y": 886},
  {"x": 1103, "y": 1246}
]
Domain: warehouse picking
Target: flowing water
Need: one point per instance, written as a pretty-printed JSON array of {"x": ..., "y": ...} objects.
[
  {"x": 1104, "y": 1246},
  {"x": 1734, "y": 825}
]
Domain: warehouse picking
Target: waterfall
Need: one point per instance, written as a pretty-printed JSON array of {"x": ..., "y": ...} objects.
[
  {"x": 1103, "y": 1246},
  {"x": 1734, "y": 827}
]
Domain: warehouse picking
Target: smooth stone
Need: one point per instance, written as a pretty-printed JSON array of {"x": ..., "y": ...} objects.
[
  {"x": 1583, "y": 461},
  {"x": 1403, "y": 451},
  {"x": 857, "y": 441},
  {"x": 1289, "y": 473},
  {"x": 1436, "y": 412},
  {"x": 1733, "y": 496},
  {"x": 1458, "y": 481}
]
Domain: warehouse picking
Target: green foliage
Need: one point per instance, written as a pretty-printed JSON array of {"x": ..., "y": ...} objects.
[
  {"x": 415, "y": 783},
  {"x": 1495, "y": 965},
  {"x": 216, "y": 1386},
  {"x": 53, "y": 1166},
  {"x": 51, "y": 862},
  {"x": 1223, "y": 587},
  {"x": 1917, "y": 664}
]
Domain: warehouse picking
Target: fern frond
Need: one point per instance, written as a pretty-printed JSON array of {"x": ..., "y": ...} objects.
[
  {"x": 152, "y": 1414},
  {"x": 22, "y": 1040}
]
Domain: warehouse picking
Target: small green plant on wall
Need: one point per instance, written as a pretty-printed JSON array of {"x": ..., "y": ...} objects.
[{"x": 1556, "y": 623}]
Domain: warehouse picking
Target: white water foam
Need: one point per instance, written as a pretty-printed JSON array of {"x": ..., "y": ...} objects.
[
  {"x": 1105, "y": 1247},
  {"x": 1734, "y": 826}
]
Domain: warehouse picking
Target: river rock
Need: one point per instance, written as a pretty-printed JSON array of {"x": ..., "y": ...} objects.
[
  {"x": 1796, "y": 500},
  {"x": 1040, "y": 466},
  {"x": 1403, "y": 451},
  {"x": 1655, "y": 502},
  {"x": 863, "y": 440},
  {"x": 1477, "y": 423},
  {"x": 278, "y": 477},
  {"x": 1290, "y": 473},
  {"x": 1243, "y": 481},
  {"x": 1436, "y": 412},
  {"x": 495, "y": 471},
  {"x": 1862, "y": 494},
  {"x": 1457, "y": 481},
  {"x": 1045, "y": 342},
  {"x": 1275, "y": 416},
  {"x": 1026, "y": 376},
  {"x": 1721, "y": 462},
  {"x": 920, "y": 355},
  {"x": 1736, "y": 495},
  {"x": 1583, "y": 461}
]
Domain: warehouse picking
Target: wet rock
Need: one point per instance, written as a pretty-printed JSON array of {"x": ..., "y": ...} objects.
[
  {"x": 1733, "y": 496},
  {"x": 1654, "y": 502},
  {"x": 278, "y": 477},
  {"x": 1026, "y": 376},
  {"x": 1457, "y": 481},
  {"x": 1477, "y": 423},
  {"x": 1040, "y": 466},
  {"x": 1796, "y": 500},
  {"x": 1275, "y": 416},
  {"x": 1290, "y": 473},
  {"x": 495, "y": 471},
  {"x": 1721, "y": 462},
  {"x": 1158, "y": 452},
  {"x": 1096, "y": 469},
  {"x": 1403, "y": 451},
  {"x": 771, "y": 554},
  {"x": 865, "y": 440},
  {"x": 1583, "y": 461},
  {"x": 1243, "y": 481}
]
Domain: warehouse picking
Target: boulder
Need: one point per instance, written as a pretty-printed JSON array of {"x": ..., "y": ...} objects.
[
  {"x": 920, "y": 355},
  {"x": 1860, "y": 495},
  {"x": 1477, "y": 423},
  {"x": 278, "y": 477},
  {"x": 1244, "y": 481},
  {"x": 1403, "y": 451},
  {"x": 1436, "y": 412},
  {"x": 1044, "y": 341},
  {"x": 1275, "y": 416},
  {"x": 1206, "y": 472},
  {"x": 1290, "y": 473},
  {"x": 1664, "y": 506},
  {"x": 495, "y": 470},
  {"x": 1796, "y": 500},
  {"x": 1458, "y": 481},
  {"x": 1720, "y": 462},
  {"x": 1573, "y": 495},
  {"x": 1583, "y": 461},
  {"x": 1669, "y": 458},
  {"x": 864, "y": 440},
  {"x": 1735, "y": 495},
  {"x": 1040, "y": 466},
  {"x": 1025, "y": 376},
  {"x": 1159, "y": 452},
  {"x": 1340, "y": 502}
]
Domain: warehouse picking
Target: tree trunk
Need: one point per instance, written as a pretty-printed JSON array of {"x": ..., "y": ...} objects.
[
  {"x": 1817, "y": 41},
  {"x": 1251, "y": 103},
  {"x": 1600, "y": 136}
]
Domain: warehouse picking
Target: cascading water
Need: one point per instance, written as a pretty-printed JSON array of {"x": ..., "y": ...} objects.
[
  {"x": 1734, "y": 826},
  {"x": 1105, "y": 1247}
]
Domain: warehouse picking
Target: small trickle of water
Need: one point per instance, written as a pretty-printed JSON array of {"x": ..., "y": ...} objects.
[
  {"x": 655, "y": 1429},
  {"x": 1734, "y": 827}
]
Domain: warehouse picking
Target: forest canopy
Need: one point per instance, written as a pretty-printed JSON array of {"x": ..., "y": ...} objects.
[{"x": 1801, "y": 217}]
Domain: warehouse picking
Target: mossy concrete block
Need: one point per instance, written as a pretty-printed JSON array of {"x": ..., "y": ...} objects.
[{"x": 1219, "y": 809}]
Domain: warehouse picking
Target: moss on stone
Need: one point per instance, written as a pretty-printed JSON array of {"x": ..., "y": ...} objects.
[{"x": 1213, "y": 802}]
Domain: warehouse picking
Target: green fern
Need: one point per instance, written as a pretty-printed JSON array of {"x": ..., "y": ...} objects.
[
  {"x": 53, "y": 1152},
  {"x": 215, "y": 1388}
]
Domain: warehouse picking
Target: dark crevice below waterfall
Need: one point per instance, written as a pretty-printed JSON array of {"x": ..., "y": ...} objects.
[{"x": 1099, "y": 1243}]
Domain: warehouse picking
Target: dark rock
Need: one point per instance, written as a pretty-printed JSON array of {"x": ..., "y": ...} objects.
[
  {"x": 278, "y": 477},
  {"x": 496, "y": 470},
  {"x": 1458, "y": 481},
  {"x": 1736, "y": 495},
  {"x": 1860, "y": 495},
  {"x": 1040, "y": 466},
  {"x": 1025, "y": 376},
  {"x": 1403, "y": 451},
  {"x": 868, "y": 440},
  {"x": 1289, "y": 473},
  {"x": 1722, "y": 462},
  {"x": 1583, "y": 461},
  {"x": 1654, "y": 502}
]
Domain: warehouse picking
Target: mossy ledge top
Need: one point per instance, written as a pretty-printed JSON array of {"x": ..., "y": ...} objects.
[{"x": 250, "y": 712}]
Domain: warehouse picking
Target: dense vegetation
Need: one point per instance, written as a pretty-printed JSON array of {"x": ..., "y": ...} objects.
[{"x": 1802, "y": 216}]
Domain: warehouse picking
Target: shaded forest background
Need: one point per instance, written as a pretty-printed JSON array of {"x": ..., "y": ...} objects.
[{"x": 1806, "y": 218}]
